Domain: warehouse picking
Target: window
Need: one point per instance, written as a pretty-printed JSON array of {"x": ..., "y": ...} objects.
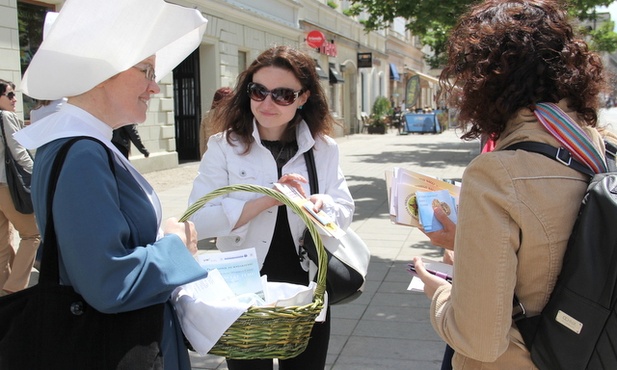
[{"x": 241, "y": 61}]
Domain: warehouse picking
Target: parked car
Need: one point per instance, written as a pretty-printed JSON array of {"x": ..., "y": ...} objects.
[{"x": 422, "y": 123}]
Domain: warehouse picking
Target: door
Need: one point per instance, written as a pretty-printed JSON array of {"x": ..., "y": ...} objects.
[{"x": 187, "y": 108}]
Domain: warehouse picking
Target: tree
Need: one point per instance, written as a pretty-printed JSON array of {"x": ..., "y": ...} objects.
[
  {"x": 603, "y": 38},
  {"x": 432, "y": 20}
]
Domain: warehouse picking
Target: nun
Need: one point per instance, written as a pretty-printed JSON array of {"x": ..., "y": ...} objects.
[{"x": 114, "y": 250}]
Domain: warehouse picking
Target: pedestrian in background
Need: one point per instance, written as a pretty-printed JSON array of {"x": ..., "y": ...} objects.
[
  {"x": 123, "y": 137},
  {"x": 504, "y": 59},
  {"x": 15, "y": 267},
  {"x": 206, "y": 128},
  {"x": 277, "y": 112},
  {"x": 113, "y": 248}
]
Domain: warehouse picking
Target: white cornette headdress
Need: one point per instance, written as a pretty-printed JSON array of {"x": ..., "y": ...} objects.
[{"x": 93, "y": 40}]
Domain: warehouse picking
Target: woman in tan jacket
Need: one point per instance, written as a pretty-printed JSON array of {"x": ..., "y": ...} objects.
[{"x": 516, "y": 208}]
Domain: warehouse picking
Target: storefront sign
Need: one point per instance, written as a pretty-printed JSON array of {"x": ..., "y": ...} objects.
[
  {"x": 365, "y": 60},
  {"x": 328, "y": 49},
  {"x": 315, "y": 39}
]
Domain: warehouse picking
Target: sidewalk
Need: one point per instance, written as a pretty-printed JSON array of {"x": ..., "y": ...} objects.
[{"x": 387, "y": 327}]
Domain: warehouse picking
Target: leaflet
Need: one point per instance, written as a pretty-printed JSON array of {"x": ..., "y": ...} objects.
[
  {"x": 403, "y": 187},
  {"x": 320, "y": 219},
  {"x": 428, "y": 201},
  {"x": 239, "y": 269}
]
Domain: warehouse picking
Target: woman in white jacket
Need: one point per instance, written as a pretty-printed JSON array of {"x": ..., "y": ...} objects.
[{"x": 276, "y": 113}]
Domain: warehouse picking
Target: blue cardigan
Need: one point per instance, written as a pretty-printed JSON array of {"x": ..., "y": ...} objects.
[{"x": 107, "y": 229}]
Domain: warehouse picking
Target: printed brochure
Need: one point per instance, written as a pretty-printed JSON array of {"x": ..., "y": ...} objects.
[{"x": 404, "y": 186}]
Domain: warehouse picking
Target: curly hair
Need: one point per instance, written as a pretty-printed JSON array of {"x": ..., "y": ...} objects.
[
  {"x": 234, "y": 114},
  {"x": 507, "y": 55}
]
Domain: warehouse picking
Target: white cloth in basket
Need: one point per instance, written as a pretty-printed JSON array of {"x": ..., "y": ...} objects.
[{"x": 204, "y": 322}]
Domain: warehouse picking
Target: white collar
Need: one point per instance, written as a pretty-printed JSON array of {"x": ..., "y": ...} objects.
[
  {"x": 72, "y": 121},
  {"x": 69, "y": 121}
]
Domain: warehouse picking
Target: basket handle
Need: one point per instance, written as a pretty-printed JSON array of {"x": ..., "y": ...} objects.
[{"x": 322, "y": 265}]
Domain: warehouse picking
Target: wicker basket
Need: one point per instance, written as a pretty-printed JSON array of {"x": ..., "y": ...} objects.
[{"x": 270, "y": 332}]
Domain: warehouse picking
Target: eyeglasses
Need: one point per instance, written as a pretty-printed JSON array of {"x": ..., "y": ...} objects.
[
  {"x": 148, "y": 69},
  {"x": 9, "y": 95},
  {"x": 281, "y": 95}
]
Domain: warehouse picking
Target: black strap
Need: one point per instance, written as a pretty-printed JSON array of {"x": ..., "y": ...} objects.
[
  {"x": 561, "y": 155},
  {"x": 309, "y": 158},
  {"x": 610, "y": 155},
  {"x": 49, "y": 272}
]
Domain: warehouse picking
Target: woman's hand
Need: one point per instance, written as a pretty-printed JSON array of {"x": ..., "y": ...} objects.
[
  {"x": 431, "y": 282},
  {"x": 317, "y": 202},
  {"x": 295, "y": 181},
  {"x": 185, "y": 230},
  {"x": 445, "y": 237},
  {"x": 255, "y": 206}
]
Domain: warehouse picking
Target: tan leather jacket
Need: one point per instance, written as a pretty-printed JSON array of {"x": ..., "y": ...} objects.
[{"x": 516, "y": 212}]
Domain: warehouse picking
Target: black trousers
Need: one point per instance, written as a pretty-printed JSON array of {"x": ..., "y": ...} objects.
[{"x": 446, "y": 363}]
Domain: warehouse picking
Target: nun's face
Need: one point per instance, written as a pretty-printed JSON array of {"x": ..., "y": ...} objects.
[{"x": 129, "y": 92}]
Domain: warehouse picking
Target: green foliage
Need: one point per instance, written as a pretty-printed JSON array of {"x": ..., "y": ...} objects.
[
  {"x": 432, "y": 20},
  {"x": 332, "y": 4},
  {"x": 353, "y": 10},
  {"x": 381, "y": 110},
  {"x": 604, "y": 39}
]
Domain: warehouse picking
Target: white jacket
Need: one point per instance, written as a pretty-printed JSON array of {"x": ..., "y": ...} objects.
[{"x": 223, "y": 164}]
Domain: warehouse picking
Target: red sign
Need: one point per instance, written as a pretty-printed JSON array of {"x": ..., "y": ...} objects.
[
  {"x": 315, "y": 39},
  {"x": 328, "y": 49}
]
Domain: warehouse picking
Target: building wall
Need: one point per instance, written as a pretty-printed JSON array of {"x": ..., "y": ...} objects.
[
  {"x": 237, "y": 31},
  {"x": 10, "y": 69}
]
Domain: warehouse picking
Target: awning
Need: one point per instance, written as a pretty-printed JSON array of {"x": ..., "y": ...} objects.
[
  {"x": 425, "y": 76},
  {"x": 320, "y": 72},
  {"x": 335, "y": 75},
  {"x": 394, "y": 75}
]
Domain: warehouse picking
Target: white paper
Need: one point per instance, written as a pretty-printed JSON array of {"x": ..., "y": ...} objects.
[
  {"x": 240, "y": 269},
  {"x": 416, "y": 284}
]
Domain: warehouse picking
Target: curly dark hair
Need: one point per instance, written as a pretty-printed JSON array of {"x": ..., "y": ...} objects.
[
  {"x": 234, "y": 114},
  {"x": 507, "y": 55}
]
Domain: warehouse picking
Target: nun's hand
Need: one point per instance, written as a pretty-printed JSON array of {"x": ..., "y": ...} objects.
[{"x": 185, "y": 230}]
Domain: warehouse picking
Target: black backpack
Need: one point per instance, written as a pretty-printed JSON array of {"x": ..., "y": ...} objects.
[{"x": 577, "y": 329}]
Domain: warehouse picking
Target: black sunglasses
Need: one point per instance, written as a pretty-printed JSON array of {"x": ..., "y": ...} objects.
[
  {"x": 281, "y": 95},
  {"x": 9, "y": 95}
]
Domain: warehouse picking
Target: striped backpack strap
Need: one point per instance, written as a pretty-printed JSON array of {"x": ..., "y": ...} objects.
[{"x": 570, "y": 135}]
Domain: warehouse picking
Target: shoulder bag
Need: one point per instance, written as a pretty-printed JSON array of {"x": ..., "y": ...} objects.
[
  {"x": 50, "y": 326},
  {"x": 348, "y": 257},
  {"x": 17, "y": 179}
]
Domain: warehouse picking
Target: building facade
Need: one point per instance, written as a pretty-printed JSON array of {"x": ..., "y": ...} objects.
[{"x": 355, "y": 67}]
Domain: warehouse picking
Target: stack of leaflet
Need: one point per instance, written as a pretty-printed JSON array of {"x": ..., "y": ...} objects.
[{"x": 413, "y": 196}]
